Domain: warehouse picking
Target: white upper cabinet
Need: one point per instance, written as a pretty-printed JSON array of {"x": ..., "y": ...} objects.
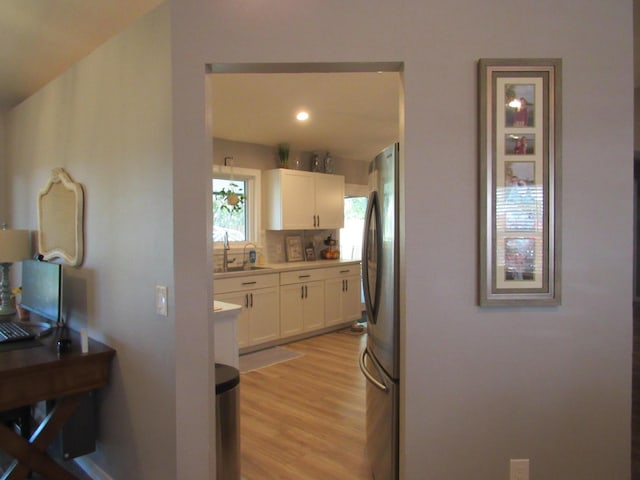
[
  {"x": 299, "y": 200},
  {"x": 329, "y": 200}
]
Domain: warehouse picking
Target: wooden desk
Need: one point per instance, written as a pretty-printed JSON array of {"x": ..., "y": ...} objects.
[{"x": 31, "y": 375}]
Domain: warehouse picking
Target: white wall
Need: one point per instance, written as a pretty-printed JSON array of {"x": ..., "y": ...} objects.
[
  {"x": 4, "y": 183},
  {"x": 481, "y": 385},
  {"x": 636, "y": 115},
  {"x": 107, "y": 121}
]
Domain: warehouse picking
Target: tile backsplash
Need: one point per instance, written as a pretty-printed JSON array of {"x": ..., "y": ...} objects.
[
  {"x": 275, "y": 242},
  {"x": 272, "y": 248}
]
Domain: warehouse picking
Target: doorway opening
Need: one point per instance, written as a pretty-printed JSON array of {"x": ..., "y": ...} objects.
[{"x": 230, "y": 122}]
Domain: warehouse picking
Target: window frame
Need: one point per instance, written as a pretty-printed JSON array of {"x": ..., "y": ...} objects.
[
  {"x": 253, "y": 191},
  {"x": 353, "y": 191}
]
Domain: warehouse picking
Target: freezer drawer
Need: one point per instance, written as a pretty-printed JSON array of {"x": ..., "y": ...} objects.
[{"x": 382, "y": 420}]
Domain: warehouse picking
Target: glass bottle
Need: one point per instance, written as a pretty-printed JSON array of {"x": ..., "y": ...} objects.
[
  {"x": 315, "y": 163},
  {"x": 328, "y": 164}
]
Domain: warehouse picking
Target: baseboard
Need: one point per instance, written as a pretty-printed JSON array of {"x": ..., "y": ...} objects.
[{"x": 91, "y": 468}]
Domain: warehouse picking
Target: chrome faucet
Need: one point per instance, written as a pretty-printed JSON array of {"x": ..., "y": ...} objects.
[
  {"x": 244, "y": 255},
  {"x": 225, "y": 256}
]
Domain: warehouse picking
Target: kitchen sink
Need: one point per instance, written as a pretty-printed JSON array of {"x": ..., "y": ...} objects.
[{"x": 240, "y": 269}]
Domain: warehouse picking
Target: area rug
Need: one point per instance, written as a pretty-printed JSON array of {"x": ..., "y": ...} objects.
[{"x": 266, "y": 358}]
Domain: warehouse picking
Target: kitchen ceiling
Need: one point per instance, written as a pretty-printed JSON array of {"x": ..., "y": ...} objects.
[{"x": 353, "y": 115}]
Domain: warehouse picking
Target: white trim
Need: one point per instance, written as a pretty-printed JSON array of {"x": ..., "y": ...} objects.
[{"x": 253, "y": 177}]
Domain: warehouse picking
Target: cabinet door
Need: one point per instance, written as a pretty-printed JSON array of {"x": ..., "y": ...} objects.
[
  {"x": 298, "y": 200},
  {"x": 264, "y": 317},
  {"x": 242, "y": 328},
  {"x": 291, "y": 304},
  {"x": 329, "y": 201},
  {"x": 352, "y": 303},
  {"x": 334, "y": 292},
  {"x": 313, "y": 306}
]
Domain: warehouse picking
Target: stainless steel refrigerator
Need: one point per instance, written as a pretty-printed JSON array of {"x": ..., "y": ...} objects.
[{"x": 380, "y": 360}]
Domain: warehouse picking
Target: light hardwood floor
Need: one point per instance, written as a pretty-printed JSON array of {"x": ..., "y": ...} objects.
[{"x": 304, "y": 419}]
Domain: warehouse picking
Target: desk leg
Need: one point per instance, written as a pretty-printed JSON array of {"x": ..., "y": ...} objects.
[{"x": 32, "y": 455}]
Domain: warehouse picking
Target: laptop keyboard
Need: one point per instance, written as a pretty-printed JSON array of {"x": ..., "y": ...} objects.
[{"x": 12, "y": 332}]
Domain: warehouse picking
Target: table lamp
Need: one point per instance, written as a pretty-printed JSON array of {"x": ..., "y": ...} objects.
[{"x": 14, "y": 247}]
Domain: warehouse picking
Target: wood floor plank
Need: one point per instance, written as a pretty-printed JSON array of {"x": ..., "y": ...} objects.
[{"x": 304, "y": 419}]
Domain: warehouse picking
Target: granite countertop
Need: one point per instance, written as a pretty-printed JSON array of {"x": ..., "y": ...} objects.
[
  {"x": 224, "y": 307},
  {"x": 284, "y": 267}
]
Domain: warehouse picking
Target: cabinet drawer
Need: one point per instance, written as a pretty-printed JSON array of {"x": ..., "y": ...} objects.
[
  {"x": 300, "y": 276},
  {"x": 250, "y": 282},
  {"x": 342, "y": 271}
]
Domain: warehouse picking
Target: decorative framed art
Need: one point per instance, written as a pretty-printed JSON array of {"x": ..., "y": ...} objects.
[
  {"x": 294, "y": 250},
  {"x": 520, "y": 182}
]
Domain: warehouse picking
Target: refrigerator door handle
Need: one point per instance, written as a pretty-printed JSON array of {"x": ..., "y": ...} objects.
[
  {"x": 372, "y": 292},
  {"x": 367, "y": 374}
]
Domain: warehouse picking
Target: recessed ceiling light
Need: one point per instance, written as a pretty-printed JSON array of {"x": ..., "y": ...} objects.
[{"x": 302, "y": 116}]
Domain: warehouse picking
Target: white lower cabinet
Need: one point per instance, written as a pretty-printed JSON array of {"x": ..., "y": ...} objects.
[
  {"x": 259, "y": 319},
  {"x": 342, "y": 294},
  {"x": 281, "y": 305},
  {"x": 302, "y": 299},
  {"x": 242, "y": 326}
]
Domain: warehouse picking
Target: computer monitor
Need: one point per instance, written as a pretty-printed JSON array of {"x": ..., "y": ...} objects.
[{"x": 42, "y": 289}]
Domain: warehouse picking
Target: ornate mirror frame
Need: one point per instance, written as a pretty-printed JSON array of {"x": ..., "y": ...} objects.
[{"x": 61, "y": 219}]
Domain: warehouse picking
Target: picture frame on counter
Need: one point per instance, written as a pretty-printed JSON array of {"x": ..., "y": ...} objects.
[
  {"x": 520, "y": 181},
  {"x": 293, "y": 248},
  {"x": 309, "y": 254}
]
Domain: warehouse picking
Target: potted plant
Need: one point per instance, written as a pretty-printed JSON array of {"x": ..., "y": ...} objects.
[
  {"x": 283, "y": 155},
  {"x": 230, "y": 200}
]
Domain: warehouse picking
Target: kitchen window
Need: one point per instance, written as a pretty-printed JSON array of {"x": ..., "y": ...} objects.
[
  {"x": 236, "y": 209},
  {"x": 351, "y": 235}
]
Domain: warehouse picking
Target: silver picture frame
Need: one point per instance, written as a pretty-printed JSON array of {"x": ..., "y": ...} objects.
[{"x": 520, "y": 181}]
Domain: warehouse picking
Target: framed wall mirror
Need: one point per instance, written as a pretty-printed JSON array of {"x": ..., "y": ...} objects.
[{"x": 61, "y": 219}]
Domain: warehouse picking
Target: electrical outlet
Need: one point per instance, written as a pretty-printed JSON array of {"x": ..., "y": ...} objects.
[
  {"x": 161, "y": 300},
  {"x": 519, "y": 469}
]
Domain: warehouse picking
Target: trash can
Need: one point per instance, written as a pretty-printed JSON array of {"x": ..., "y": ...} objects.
[{"x": 227, "y": 422}]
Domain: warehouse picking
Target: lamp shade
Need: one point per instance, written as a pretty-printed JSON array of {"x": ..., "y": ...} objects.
[{"x": 15, "y": 245}]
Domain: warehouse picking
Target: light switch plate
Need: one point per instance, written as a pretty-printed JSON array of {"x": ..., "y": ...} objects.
[{"x": 161, "y": 300}]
